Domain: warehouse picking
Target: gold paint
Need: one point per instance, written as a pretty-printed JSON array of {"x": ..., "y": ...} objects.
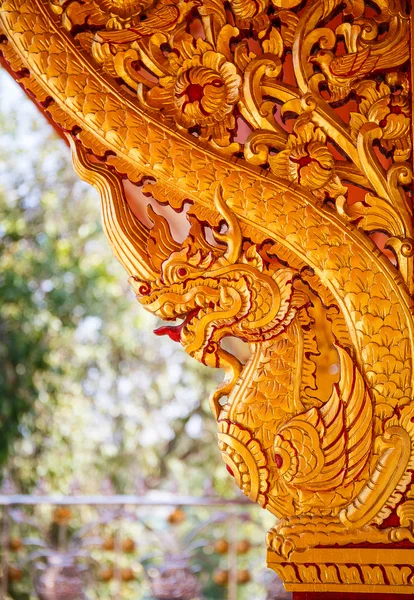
[{"x": 287, "y": 128}]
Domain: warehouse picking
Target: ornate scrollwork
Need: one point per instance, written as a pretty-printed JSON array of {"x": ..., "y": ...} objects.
[{"x": 283, "y": 129}]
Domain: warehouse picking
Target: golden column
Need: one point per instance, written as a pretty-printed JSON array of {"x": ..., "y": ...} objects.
[{"x": 278, "y": 134}]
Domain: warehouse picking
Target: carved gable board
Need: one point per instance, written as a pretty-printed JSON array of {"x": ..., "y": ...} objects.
[{"x": 280, "y": 132}]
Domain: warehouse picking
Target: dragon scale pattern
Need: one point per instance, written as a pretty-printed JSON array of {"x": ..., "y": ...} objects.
[{"x": 339, "y": 464}]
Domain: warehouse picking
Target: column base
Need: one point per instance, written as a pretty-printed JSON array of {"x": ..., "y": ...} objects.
[{"x": 349, "y": 573}]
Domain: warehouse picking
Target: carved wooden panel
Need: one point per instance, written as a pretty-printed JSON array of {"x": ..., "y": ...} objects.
[{"x": 280, "y": 132}]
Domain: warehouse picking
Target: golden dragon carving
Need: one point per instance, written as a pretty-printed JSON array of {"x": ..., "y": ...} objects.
[{"x": 283, "y": 129}]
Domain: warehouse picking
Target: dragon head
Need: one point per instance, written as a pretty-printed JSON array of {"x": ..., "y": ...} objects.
[{"x": 218, "y": 292}]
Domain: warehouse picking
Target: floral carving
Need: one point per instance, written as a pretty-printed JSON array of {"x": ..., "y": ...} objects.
[
  {"x": 221, "y": 71},
  {"x": 308, "y": 162},
  {"x": 123, "y": 9},
  {"x": 201, "y": 92},
  {"x": 389, "y": 110}
]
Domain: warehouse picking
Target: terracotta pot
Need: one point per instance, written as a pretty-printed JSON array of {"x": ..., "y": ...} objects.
[
  {"x": 176, "y": 581},
  {"x": 61, "y": 579}
]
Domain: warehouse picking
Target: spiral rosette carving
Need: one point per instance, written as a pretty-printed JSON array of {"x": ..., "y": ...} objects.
[
  {"x": 245, "y": 460},
  {"x": 279, "y": 134}
]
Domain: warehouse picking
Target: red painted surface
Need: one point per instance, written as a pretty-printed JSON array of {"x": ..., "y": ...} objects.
[
  {"x": 229, "y": 470},
  {"x": 345, "y": 596}
]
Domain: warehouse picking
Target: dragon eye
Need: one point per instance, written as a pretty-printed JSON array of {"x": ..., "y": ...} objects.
[{"x": 182, "y": 272}]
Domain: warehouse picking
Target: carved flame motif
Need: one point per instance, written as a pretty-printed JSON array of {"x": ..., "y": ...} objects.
[{"x": 284, "y": 128}]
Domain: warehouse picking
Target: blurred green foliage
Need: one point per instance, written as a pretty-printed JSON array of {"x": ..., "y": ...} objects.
[
  {"x": 48, "y": 284},
  {"x": 87, "y": 393}
]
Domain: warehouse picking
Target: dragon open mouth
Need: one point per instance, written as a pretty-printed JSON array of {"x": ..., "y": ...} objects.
[{"x": 174, "y": 331}]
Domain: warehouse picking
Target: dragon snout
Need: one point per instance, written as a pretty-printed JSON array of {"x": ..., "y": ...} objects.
[{"x": 174, "y": 331}]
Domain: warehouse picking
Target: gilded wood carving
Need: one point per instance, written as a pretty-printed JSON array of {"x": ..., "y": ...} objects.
[{"x": 283, "y": 130}]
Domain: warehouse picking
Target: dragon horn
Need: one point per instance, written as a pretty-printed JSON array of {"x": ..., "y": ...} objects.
[{"x": 233, "y": 236}]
